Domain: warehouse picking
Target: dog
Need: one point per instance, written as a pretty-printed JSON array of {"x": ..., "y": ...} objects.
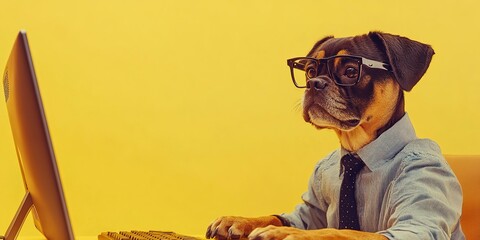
[{"x": 355, "y": 86}]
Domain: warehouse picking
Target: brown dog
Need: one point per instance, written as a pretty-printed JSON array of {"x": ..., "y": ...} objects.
[{"x": 355, "y": 86}]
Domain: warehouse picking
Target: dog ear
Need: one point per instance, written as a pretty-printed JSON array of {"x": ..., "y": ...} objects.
[
  {"x": 408, "y": 59},
  {"x": 317, "y": 45}
]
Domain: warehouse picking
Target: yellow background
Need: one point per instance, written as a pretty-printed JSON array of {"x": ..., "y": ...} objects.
[{"x": 167, "y": 114}]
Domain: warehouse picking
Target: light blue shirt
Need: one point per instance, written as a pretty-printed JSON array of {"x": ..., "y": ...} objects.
[{"x": 405, "y": 191}]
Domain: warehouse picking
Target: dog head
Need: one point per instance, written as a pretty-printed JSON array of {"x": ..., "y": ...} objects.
[{"x": 355, "y": 85}]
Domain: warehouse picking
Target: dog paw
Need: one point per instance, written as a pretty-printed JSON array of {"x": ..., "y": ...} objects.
[
  {"x": 229, "y": 227},
  {"x": 279, "y": 233},
  {"x": 290, "y": 233}
]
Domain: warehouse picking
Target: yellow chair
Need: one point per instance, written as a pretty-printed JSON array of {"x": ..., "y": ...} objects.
[{"x": 467, "y": 168}]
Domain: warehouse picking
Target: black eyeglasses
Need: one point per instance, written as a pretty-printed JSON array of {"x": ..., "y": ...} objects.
[{"x": 345, "y": 70}]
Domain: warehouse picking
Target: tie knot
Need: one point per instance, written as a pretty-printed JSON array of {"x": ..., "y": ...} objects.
[{"x": 352, "y": 164}]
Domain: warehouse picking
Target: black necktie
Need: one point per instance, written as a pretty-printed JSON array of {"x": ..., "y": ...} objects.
[{"x": 348, "y": 206}]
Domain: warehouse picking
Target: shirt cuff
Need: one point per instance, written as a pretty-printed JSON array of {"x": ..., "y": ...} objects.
[{"x": 284, "y": 221}]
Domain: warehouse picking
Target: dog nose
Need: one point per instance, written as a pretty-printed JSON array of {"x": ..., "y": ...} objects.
[{"x": 317, "y": 83}]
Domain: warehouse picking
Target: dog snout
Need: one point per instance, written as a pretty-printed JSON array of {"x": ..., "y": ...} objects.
[{"x": 317, "y": 83}]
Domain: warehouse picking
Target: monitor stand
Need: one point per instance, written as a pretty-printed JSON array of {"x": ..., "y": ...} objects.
[{"x": 19, "y": 218}]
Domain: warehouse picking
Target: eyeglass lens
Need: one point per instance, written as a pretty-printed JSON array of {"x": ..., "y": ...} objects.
[{"x": 344, "y": 70}]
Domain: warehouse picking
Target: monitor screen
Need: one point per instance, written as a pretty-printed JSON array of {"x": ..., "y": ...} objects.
[{"x": 44, "y": 194}]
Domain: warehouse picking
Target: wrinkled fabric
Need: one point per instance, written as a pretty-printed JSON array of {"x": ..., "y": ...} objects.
[{"x": 406, "y": 190}]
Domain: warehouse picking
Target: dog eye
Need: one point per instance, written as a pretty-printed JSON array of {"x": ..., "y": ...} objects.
[
  {"x": 311, "y": 72},
  {"x": 351, "y": 72}
]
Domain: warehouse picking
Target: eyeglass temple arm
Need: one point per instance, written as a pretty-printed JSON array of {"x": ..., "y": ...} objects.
[{"x": 375, "y": 64}]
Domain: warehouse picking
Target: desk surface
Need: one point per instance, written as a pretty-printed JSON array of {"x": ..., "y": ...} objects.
[{"x": 76, "y": 238}]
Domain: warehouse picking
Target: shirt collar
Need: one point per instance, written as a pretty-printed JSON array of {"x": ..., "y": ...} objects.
[{"x": 387, "y": 145}]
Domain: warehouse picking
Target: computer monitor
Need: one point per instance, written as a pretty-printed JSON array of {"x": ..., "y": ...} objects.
[{"x": 44, "y": 194}]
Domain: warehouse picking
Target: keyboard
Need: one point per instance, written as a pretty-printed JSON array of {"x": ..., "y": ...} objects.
[{"x": 143, "y": 235}]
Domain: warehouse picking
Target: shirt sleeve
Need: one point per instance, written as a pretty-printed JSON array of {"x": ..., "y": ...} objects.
[
  {"x": 425, "y": 200},
  {"x": 311, "y": 214}
]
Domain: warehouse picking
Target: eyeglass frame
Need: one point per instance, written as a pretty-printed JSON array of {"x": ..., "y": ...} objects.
[{"x": 363, "y": 61}]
